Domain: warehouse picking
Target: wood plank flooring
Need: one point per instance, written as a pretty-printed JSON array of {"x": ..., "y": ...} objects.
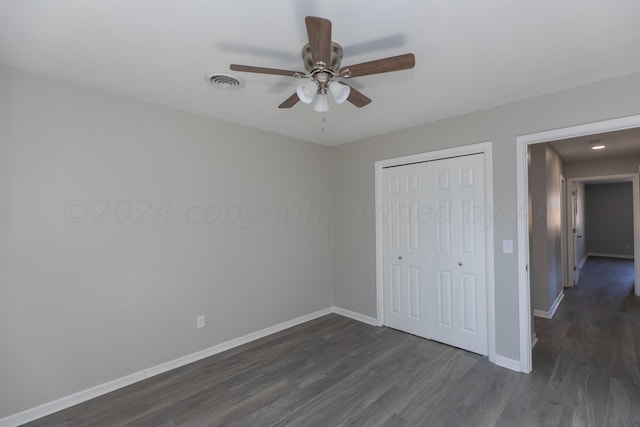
[{"x": 334, "y": 371}]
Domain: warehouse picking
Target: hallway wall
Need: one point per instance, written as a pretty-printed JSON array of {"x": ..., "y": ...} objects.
[
  {"x": 545, "y": 190},
  {"x": 609, "y": 218}
]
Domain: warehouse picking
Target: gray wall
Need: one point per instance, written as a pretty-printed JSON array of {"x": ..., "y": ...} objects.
[
  {"x": 609, "y": 218},
  {"x": 538, "y": 226},
  {"x": 609, "y": 166},
  {"x": 555, "y": 169},
  {"x": 355, "y": 286},
  {"x": 86, "y": 296},
  {"x": 545, "y": 187}
]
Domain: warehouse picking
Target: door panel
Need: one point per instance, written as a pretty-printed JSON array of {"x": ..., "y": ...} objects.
[
  {"x": 575, "y": 235},
  {"x": 469, "y": 299},
  {"x": 457, "y": 262},
  {"x": 434, "y": 251},
  {"x": 444, "y": 299},
  {"x": 404, "y": 237}
]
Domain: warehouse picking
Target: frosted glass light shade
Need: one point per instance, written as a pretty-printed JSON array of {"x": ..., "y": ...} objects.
[
  {"x": 322, "y": 104},
  {"x": 307, "y": 91},
  {"x": 339, "y": 91}
]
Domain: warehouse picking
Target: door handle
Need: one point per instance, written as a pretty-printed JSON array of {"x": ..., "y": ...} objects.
[
  {"x": 399, "y": 257},
  {"x": 460, "y": 263}
]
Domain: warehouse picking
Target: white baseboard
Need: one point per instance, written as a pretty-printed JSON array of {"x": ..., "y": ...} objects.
[
  {"x": 93, "y": 392},
  {"x": 549, "y": 314},
  {"x": 541, "y": 313},
  {"x": 508, "y": 363},
  {"x": 355, "y": 316},
  {"x": 90, "y": 393},
  {"x": 534, "y": 340},
  {"x": 610, "y": 255},
  {"x": 583, "y": 260}
]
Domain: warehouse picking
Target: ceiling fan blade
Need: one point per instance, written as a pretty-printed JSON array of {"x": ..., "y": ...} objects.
[
  {"x": 358, "y": 98},
  {"x": 319, "y": 32},
  {"x": 394, "y": 63},
  {"x": 263, "y": 70},
  {"x": 290, "y": 101}
]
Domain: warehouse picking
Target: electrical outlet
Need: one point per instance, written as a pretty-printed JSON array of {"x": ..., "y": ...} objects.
[
  {"x": 507, "y": 246},
  {"x": 200, "y": 321}
]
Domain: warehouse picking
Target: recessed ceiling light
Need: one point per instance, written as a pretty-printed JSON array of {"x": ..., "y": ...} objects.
[{"x": 596, "y": 144}]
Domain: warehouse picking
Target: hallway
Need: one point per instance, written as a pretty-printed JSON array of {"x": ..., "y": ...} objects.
[{"x": 587, "y": 359}]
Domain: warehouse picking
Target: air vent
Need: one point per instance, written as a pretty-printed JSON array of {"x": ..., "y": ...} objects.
[{"x": 223, "y": 81}]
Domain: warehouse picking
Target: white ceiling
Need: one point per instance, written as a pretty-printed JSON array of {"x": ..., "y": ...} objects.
[
  {"x": 470, "y": 54},
  {"x": 617, "y": 144}
]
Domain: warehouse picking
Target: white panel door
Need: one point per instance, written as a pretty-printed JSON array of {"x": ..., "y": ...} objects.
[
  {"x": 575, "y": 235},
  {"x": 456, "y": 253},
  {"x": 404, "y": 215}
]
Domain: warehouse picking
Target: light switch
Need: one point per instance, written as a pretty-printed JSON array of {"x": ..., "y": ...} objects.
[{"x": 507, "y": 246}]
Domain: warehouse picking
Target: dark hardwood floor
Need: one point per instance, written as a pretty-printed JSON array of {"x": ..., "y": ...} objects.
[
  {"x": 334, "y": 371},
  {"x": 589, "y": 353}
]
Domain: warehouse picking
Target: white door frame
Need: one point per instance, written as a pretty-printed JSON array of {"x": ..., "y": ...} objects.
[
  {"x": 522, "y": 143},
  {"x": 564, "y": 227},
  {"x": 634, "y": 179},
  {"x": 480, "y": 148},
  {"x": 571, "y": 207}
]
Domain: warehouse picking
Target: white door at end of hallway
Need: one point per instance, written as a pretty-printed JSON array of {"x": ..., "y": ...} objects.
[{"x": 575, "y": 236}]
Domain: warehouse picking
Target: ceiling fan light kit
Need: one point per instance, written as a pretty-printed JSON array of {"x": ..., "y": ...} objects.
[
  {"x": 322, "y": 103},
  {"x": 340, "y": 91},
  {"x": 307, "y": 91},
  {"x": 321, "y": 58}
]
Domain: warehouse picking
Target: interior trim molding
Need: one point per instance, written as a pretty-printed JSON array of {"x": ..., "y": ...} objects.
[
  {"x": 522, "y": 193},
  {"x": 549, "y": 314},
  {"x": 93, "y": 392},
  {"x": 508, "y": 363},
  {"x": 534, "y": 340},
  {"x": 355, "y": 316}
]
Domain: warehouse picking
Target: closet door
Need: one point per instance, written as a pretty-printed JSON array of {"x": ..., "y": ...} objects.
[
  {"x": 404, "y": 215},
  {"x": 456, "y": 253}
]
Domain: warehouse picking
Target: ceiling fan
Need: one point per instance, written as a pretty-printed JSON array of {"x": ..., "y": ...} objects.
[{"x": 321, "y": 58}]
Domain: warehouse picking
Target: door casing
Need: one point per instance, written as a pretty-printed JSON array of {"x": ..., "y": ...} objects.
[{"x": 522, "y": 143}]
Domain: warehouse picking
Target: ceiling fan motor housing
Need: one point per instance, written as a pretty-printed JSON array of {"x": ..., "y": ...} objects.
[
  {"x": 322, "y": 74},
  {"x": 336, "y": 58}
]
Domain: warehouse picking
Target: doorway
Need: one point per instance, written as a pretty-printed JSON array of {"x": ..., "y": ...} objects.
[{"x": 522, "y": 144}]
